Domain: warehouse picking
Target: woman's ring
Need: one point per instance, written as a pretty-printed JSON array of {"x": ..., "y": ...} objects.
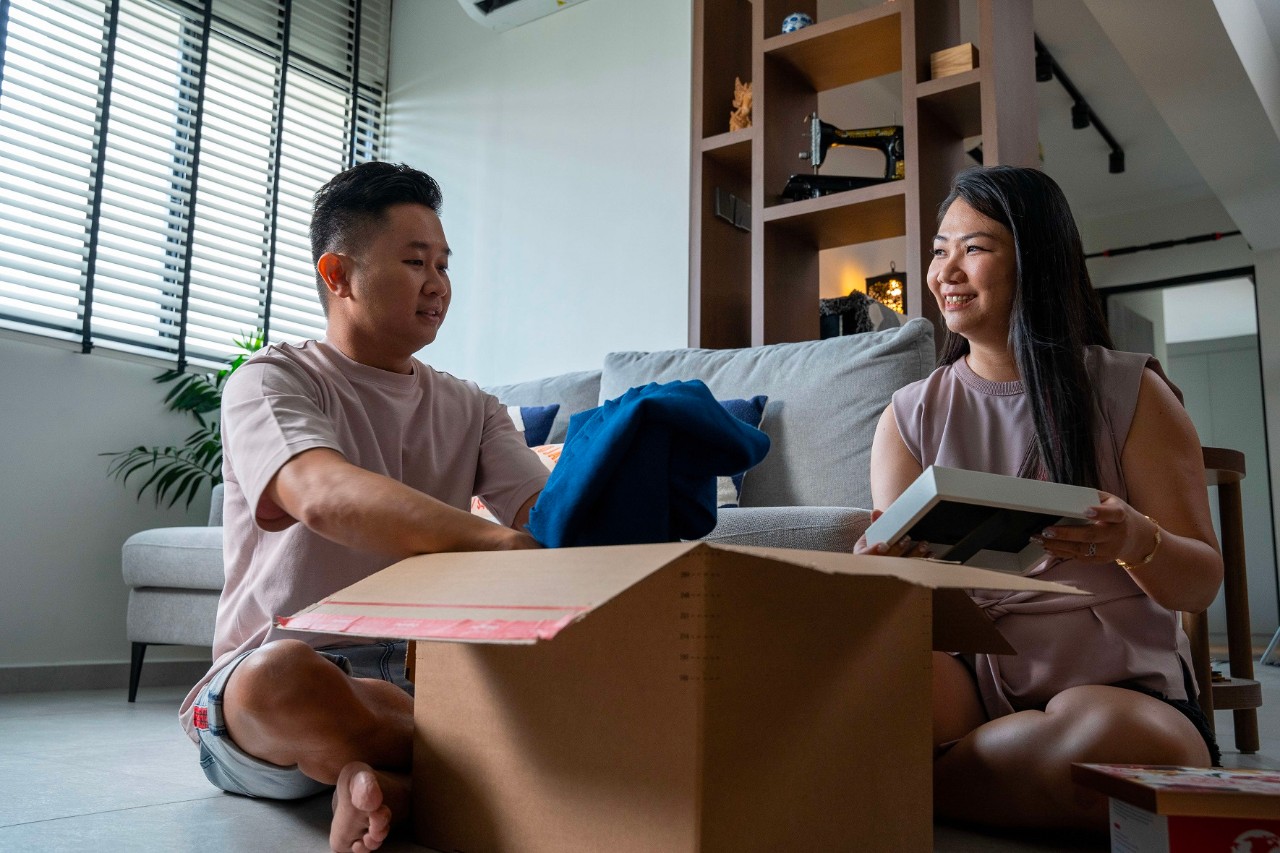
[{"x": 1092, "y": 550}]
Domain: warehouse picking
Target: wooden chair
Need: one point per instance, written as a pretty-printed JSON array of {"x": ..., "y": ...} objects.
[{"x": 1239, "y": 693}]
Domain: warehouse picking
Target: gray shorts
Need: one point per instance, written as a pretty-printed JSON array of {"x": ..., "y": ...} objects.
[{"x": 234, "y": 770}]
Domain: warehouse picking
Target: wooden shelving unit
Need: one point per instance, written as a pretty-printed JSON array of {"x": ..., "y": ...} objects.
[
  {"x": 731, "y": 149},
  {"x": 844, "y": 50},
  {"x": 841, "y": 219},
  {"x": 755, "y": 287}
]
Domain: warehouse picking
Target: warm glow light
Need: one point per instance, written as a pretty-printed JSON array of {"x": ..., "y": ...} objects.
[
  {"x": 851, "y": 278},
  {"x": 889, "y": 289}
]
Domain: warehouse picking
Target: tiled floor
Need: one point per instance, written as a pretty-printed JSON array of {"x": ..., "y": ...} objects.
[{"x": 88, "y": 771}]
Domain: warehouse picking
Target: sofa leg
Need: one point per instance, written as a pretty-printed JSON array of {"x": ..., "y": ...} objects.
[{"x": 135, "y": 668}]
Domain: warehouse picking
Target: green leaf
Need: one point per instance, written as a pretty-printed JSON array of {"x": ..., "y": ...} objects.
[{"x": 175, "y": 472}]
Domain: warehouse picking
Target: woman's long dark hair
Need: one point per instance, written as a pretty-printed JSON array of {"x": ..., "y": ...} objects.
[{"x": 1056, "y": 313}]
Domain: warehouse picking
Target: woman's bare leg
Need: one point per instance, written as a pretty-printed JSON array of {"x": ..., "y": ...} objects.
[
  {"x": 957, "y": 706},
  {"x": 1015, "y": 771}
]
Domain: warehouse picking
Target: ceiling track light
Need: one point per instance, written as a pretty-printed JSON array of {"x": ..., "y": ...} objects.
[
  {"x": 1079, "y": 115},
  {"x": 1082, "y": 115},
  {"x": 1044, "y": 68}
]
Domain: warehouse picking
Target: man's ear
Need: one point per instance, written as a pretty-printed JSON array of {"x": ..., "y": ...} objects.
[{"x": 335, "y": 270}]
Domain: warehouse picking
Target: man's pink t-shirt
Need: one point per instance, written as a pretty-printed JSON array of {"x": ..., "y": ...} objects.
[{"x": 429, "y": 430}]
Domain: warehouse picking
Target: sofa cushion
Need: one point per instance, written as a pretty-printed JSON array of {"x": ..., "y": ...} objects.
[
  {"x": 811, "y": 528},
  {"x": 750, "y": 412},
  {"x": 825, "y": 398},
  {"x": 534, "y": 422},
  {"x": 215, "y": 505},
  {"x": 573, "y": 392},
  {"x": 181, "y": 557}
]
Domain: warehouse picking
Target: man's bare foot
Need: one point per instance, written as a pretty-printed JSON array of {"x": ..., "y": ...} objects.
[{"x": 362, "y": 802}]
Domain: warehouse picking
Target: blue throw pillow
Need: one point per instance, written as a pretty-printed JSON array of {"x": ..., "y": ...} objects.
[
  {"x": 534, "y": 422},
  {"x": 750, "y": 412}
]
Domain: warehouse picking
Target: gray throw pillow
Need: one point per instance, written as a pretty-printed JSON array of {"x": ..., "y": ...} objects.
[
  {"x": 574, "y": 392},
  {"x": 825, "y": 398}
]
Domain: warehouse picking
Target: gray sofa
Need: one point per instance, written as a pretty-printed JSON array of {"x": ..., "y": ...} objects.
[{"x": 825, "y": 398}]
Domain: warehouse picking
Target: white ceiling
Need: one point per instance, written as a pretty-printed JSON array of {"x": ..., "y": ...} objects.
[
  {"x": 1157, "y": 170},
  {"x": 1191, "y": 91}
]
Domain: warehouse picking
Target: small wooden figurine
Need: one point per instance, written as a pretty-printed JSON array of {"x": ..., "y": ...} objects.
[{"x": 741, "y": 115}]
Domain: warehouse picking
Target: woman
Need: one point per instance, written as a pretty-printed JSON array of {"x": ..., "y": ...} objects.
[{"x": 1030, "y": 386}]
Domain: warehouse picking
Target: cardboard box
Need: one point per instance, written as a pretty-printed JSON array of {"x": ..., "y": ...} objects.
[
  {"x": 1187, "y": 809},
  {"x": 953, "y": 60},
  {"x": 671, "y": 697}
]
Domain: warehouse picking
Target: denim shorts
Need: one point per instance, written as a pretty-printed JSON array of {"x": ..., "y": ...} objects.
[{"x": 232, "y": 769}]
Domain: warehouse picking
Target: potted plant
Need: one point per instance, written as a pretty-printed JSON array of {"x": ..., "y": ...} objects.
[{"x": 172, "y": 472}]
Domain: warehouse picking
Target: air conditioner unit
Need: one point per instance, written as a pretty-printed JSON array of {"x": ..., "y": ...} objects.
[{"x": 505, "y": 14}]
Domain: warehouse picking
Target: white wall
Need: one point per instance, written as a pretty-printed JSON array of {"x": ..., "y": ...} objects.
[
  {"x": 562, "y": 147},
  {"x": 62, "y": 521},
  {"x": 1148, "y": 304}
]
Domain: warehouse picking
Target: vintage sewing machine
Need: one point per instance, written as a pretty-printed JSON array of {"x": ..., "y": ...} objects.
[{"x": 823, "y": 137}]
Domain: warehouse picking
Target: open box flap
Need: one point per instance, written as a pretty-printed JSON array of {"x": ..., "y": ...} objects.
[
  {"x": 489, "y": 596},
  {"x": 959, "y": 625},
  {"x": 933, "y": 574},
  {"x": 526, "y": 596}
]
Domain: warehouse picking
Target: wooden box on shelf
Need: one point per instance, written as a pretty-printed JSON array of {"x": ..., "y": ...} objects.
[{"x": 953, "y": 60}]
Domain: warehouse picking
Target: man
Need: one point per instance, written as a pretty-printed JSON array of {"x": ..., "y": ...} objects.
[{"x": 340, "y": 457}]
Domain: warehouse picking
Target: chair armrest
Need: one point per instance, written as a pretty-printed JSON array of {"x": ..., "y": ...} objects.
[
  {"x": 215, "y": 506},
  {"x": 174, "y": 557},
  {"x": 813, "y": 528}
]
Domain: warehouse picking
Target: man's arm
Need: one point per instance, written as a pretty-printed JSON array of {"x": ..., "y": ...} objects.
[
  {"x": 371, "y": 512},
  {"x": 522, "y": 515}
]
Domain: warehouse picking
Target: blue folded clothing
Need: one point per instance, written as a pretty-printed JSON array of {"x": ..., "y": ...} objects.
[{"x": 643, "y": 467}]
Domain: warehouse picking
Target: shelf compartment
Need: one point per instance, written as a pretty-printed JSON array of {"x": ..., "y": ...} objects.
[
  {"x": 956, "y": 101},
  {"x": 843, "y": 50},
  {"x": 722, "y": 51},
  {"x": 732, "y": 149},
  {"x": 842, "y": 219}
]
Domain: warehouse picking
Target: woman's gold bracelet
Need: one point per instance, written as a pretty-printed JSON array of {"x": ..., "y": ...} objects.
[{"x": 1128, "y": 567}]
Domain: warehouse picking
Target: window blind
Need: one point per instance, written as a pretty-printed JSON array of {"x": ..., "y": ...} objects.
[{"x": 158, "y": 159}]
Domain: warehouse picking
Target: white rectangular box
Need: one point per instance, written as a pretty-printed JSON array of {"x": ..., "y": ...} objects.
[{"x": 981, "y": 519}]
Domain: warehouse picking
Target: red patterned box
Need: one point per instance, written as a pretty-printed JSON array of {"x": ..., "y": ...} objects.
[{"x": 1188, "y": 809}]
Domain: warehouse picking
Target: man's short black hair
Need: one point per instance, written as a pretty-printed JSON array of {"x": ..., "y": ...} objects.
[{"x": 356, "y": 200}]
